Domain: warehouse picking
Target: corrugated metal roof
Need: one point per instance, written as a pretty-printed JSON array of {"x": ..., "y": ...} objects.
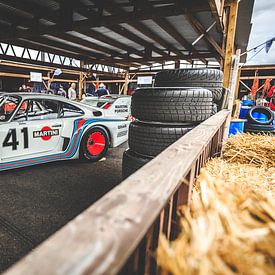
[{"x": 143, "y": 38}]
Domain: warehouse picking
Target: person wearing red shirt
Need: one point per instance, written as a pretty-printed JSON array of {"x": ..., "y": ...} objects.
[{"x": 271, "y": 95}]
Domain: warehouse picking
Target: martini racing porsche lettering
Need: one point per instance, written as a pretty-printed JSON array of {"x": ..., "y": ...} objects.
[
  {"x": 46, "y": 133},
  {"x": 121, "y": 109}
]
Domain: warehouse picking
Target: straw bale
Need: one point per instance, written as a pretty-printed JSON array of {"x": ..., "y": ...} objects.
[
  {"x": 230, "y": 226},
  {"x": 250, "y": 149}
]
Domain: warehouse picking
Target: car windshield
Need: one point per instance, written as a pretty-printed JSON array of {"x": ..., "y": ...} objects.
[{"x": 8, "y": 105}]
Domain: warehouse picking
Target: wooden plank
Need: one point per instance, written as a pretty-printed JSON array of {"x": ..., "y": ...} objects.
[
  {"x": 208, "y": 38},
  {"x": 260, "y": 77},
  {"x": 258, "y": 67},
  {"x": 102, "y": 238},
  {"x": 232, "y": 87},
  {"x": 230, "y": 42},
  {"x": 217, "y": 10},
  {"x": 73, "y": 71}
]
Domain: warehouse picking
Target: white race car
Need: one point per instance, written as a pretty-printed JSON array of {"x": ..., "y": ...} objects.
[
  {"x": 111, "y": 105},
  {"x": 39, "y": 128}
]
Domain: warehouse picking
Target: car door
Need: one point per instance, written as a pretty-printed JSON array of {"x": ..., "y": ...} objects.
[{"x": 35, "y": 131}]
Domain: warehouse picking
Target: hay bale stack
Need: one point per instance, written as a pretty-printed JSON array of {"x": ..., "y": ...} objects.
[
  {"x": 230, "y": 226},
  {"x": 250, "y": 149}
]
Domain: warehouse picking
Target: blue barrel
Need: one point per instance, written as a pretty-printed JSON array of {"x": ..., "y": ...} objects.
[
  {"x": 244, "y": 111},
  {"x": 248, "y": 102},
  {"x": 259, "y": 116},
  {"x": 236, "y": 126}
]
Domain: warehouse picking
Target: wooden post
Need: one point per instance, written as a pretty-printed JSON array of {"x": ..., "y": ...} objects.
[
  {"x": 230, "y": 41},
  {"x": 238, "y": 83},
  {"x": 50, "y": 79},
  {"x": 81, "y": 79},
  {"x": 234, "y": 70},
  {"x": 126, "y": 83},
  {"x": 84, "y": 85}
]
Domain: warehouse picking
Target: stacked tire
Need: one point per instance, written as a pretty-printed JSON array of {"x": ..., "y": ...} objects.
[
  {"x": 260, "y": 126},
  {"x": 180, "y": 100}
]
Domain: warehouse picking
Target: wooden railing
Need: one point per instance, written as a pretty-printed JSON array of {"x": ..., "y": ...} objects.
[{"x": 119, "y": 233}]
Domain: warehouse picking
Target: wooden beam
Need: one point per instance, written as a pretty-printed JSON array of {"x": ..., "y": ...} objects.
[
  {"x": 259, "y": 77},
  {"x": 108, "y": 40},
  {"x": 106, "y": 21},
  {"x": 112, "y": 8},
  {"x": 241, "y": 82},
  {"x": 128, "y": 34},
  {"x": 230, "y": 43},
  {"x": 237, "y": 84},
  {"x": 234, "y": 68},
  {"x": 142, "y": 28},
  {"x": 207, "y": 38},
  {"x": 166, "y": 26},
  {"x": 40, "y": 67},
  {"x": 216, "y": 7},
  {"x": 26, "y": 22},
  {"x": 147, "y": 32},
  {"x": 258, "y": 67},
  {"x": 97, "y": 47}
]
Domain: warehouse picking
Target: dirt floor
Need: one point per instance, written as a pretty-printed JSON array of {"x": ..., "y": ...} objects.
[{"x": 37, "y": 201}]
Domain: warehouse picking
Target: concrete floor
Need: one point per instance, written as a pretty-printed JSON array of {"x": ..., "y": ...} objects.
[{"x": 37, "y": 201}]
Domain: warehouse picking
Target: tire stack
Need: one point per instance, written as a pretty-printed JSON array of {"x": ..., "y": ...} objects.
[
  {"x": 180, "y": 100},
  {"x": 256, "y": 125}
]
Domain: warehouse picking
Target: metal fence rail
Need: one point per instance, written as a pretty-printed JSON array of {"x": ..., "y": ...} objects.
[{"x": 119, "y": 233}]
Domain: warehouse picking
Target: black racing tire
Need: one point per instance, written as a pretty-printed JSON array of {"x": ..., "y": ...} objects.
[
  {"x": 172, "y": 104},
  {"x": 256, "y": 128},
  {"x": 150, "y": 139},
  {"x": 260, "y": 109},
  {"x": 91, "y": 147},
  {"x": 131, "y": 162},
  {"x": 211, "y": 79}
]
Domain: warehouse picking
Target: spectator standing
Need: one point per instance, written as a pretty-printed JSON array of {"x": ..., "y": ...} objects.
[
  {"x": 72, "y": 92},
  {"x": 61, "y": 91},
  {"x": 102, "y": 90}
]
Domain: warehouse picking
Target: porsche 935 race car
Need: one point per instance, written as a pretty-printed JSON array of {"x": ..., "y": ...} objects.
[
  {"x": 39, "y": 128},
  {"x": 114, "y": 105}
]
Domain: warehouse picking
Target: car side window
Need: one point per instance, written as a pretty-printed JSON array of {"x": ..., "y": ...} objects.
[
  {"x": 39, "y": 109},
  {"x": 8, "y": 105},
  {"x": 69, "y": 110}
]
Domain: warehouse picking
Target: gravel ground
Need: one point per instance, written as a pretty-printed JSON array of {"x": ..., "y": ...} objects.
[{"x": 36, "y": 201}]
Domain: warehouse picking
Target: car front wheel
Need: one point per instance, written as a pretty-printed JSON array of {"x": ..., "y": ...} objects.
[{"x": 94, "y": 144}]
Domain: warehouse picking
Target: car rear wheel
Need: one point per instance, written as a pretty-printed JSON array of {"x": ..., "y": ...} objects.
[{"x": 94, "y": 144}]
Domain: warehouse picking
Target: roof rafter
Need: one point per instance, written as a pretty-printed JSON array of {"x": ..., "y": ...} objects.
[
  {"x": 112, "y": 7},
  {"x": 106, "y": 21}
]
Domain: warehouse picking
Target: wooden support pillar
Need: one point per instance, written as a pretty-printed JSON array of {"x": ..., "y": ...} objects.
[
  {"x": 229, "y": 51},
  {"x": 81, "y": 80},
  {"x": 238, "y": 83},
  {"x": 233, "y": 73},
  {"x": 125, "y": 90},
  {"x": 50, "y": 80}
]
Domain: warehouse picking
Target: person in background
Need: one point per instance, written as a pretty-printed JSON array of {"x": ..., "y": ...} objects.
[
  {"x": 61, "y": 91},
  {"x": 72, "y": 92},
  {"x": 271, "y": 98},
  {"x": 25, "y": 89},
  {"x": 101, "y": 90}
]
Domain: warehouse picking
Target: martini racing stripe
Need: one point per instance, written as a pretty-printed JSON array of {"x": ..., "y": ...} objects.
[{"x": 79, "y": 126}]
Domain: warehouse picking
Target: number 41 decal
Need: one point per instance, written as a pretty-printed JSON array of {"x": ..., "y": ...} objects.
[{"x": 11, "y": 139}]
